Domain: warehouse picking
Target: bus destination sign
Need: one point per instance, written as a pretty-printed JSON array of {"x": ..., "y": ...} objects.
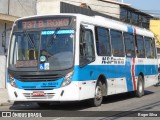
[{"x": 44, "y": 23}]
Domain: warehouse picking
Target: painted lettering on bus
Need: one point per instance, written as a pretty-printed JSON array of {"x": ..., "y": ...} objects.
[{"x": 112, "y": 60}]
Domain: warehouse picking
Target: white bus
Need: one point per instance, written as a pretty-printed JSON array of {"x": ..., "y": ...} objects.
[{"x": 73, "y": 57}]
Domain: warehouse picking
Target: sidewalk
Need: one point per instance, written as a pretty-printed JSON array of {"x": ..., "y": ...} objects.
[{"x": 4, "y": 97}]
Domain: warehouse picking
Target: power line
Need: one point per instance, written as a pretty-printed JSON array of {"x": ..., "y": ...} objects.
[{"x": 23, "y": 7}]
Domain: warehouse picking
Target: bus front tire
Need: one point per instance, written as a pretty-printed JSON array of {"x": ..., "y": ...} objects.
[
  {"x": 140, "y": 87},
  {"x": 97, "y": 100}
]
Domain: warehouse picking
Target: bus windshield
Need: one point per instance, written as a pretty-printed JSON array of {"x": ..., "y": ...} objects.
[{"x": 45, "y": 49}]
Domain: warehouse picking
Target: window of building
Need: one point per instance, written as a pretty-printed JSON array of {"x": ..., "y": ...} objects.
[
  {"x": 134, "y": 17},
  {"x": 129, "y": 15},
  {"x": 117, "y": 43},
  {"x": 123, "y": 14},
  {"x": 129, "y": 45},
  {"x": 140, "y": 46},
  {"x": 102, "y": 41}
]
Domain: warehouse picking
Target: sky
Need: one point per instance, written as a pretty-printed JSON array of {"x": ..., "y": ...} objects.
[{"x": 150, "y": 6}]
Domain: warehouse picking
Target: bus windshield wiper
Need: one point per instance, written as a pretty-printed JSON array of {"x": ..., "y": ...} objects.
[
  {"x": 53, "y": 37},
  {"x": 29, "y": 39}
]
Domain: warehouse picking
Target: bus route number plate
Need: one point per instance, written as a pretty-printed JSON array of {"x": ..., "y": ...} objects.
[{"x": 38, "y": 93}]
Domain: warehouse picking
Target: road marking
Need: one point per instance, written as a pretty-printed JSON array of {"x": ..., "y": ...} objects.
[{"x": 58, "y": 118}]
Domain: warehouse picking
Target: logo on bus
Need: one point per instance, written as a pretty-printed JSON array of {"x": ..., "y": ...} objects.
[{"x": 112, "y": 60}]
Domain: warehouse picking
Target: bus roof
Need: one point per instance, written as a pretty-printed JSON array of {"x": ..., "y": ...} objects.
[{"x": 103, "y": 22}]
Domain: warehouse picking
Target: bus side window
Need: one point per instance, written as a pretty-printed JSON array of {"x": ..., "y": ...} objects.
[
  {"x": 153, "y": 48},
  {"x": 148, "y": 47},
  {"x": 87, "y": 54},
  {"x": 102, "y": 41},
  {"x": 129, "y": 45},
  {"x": 140, "y": 46},
  {"x": 117, "y": 43}
]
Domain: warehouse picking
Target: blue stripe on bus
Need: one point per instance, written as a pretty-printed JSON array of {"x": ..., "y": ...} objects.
[
  {"x": 128, "y": 75},
  {"x": 146, "y": 69},
  {"x": 130, "y": 29},
  {"x": 91, "y": 72}
]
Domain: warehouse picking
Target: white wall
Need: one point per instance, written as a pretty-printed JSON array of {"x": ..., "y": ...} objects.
[
  {"x": 22, "y": 8},
  {"x": 4, "y": 6},
  {"x": 48, "y": 7},
  {"x": 18, "y": 8}
]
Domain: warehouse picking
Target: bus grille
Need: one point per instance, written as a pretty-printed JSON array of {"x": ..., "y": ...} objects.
[
  {"x": 37, "y": 78},
  {"x": 46, "y": 96}
]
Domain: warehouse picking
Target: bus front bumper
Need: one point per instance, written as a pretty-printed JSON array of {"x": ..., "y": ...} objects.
[{"x": 68, "y": 93}]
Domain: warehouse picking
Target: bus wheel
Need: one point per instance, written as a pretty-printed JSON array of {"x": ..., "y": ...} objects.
[
  {"x": 97, "y": 100},
  {"x": 140, "y": 87},
  {"x": 44, "y": 104}
]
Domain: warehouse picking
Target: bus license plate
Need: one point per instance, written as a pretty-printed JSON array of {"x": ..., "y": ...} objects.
[{"x": 38, "y": 93}]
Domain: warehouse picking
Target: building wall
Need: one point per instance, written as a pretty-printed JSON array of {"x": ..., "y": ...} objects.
[
  {"x": 4, "y": 7},
  {"x": 22, "y": 8},
  {"x": 18, "y": 8},
  {"x": 2, "y": 51},
  {"x": 46, "y": 7}
]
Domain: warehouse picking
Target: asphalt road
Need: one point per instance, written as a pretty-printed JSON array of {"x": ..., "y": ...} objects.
[{"x": 113, "y": 106}]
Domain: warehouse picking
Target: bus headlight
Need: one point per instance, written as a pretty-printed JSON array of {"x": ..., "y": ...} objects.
[
  {"x": 67, "y": 79},
  {"x": 12, "y": 81}
]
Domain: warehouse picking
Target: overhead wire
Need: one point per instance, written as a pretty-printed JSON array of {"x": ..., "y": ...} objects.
[{"x": 23, "y": 7}]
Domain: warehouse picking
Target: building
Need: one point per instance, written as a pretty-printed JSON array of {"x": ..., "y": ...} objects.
[
  {"x": 10, "y": 10},
  {"x": 106, "y": 8},
  {"x": 155, "y": 28}
]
